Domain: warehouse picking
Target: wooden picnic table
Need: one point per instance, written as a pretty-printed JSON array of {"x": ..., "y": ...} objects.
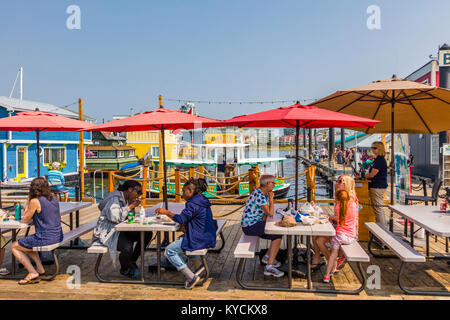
[
  {"x": 64, "y": 209},
  {"x": 325, "y": 229},
  {"x": 430, "y": 218},
  {"x": 158, "y": 228}
]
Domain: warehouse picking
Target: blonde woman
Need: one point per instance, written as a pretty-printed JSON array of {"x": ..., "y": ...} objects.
[
  {"x": 347, "y": 183},
  {"x": 378, "y": 181}
]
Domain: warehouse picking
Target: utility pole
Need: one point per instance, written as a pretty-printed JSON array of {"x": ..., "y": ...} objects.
[{"x": 160, "y": 166}]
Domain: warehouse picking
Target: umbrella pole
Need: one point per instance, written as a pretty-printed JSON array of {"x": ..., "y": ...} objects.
[
  {"x": 37, "y": 154},
  {"x": 165, "y": 242},
  {"x": 391, "y": 220},
  {"x": 297, "y": 133},
  {"x": 166, "y": 204}
]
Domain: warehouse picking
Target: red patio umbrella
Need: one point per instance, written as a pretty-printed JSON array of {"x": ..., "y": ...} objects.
[
  {"x": 299, "y": 116},
  {"x": 159, "y": 119},
  {"x": 41, "y": 121}
]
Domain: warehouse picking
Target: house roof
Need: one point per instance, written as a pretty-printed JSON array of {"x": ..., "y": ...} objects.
[
  {"x": 110, "y": 148},
  {"x": 110, "y": 136},
  {"x": 13, "y": 104}
]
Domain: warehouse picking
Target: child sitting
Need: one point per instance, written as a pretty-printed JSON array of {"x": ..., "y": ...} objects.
[
  {"x": 200, "y": 232},
  {"x": 346, "y": 217}
]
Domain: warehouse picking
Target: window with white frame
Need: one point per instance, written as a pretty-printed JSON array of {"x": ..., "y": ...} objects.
[
  {"x": 434, "y": 146},
  {"x": 120, "y": 154},
  {"x": 131, "y": 153},
  {"x": 155, "y": 152},
  {"x": 52, "y": 154}
]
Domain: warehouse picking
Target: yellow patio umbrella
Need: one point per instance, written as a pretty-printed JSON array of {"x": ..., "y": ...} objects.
[{"x": 402, "y": 106}]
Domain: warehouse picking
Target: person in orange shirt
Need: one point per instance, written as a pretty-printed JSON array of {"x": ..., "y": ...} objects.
[{"x": 346, "y": 218}]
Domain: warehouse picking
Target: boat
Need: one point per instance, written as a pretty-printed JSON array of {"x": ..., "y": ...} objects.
[{"x": 208, "y": 158}]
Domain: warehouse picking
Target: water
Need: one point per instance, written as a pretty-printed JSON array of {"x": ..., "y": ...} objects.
[{"x": 289, "y": 170}]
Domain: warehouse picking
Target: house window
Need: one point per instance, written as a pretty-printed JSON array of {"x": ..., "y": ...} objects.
[
  {"x": 120, "y": 154},
  {"x": 131, "y": 153},
  {"x": 54, "y": 154},
  {"x": 94, "y": 154},
  {"x": 107, "y": 154},
  {"x": 434, "y": 144},
  {"x": 155, "y": 152}
]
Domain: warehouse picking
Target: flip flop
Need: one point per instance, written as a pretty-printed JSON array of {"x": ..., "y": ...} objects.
[
  {"x": 29, "y": 281},
  {"x": 317, "y": 266}
]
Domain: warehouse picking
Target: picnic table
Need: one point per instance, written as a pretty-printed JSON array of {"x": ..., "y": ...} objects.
[
  {"x": 430, "y": 218},
  {"x": 158, "y": 228},
  {"x": 16, "y": 226},
  {"x": 325, "y": 229}
]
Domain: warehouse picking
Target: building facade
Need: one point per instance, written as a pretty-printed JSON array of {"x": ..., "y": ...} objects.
[{"x": 18, "y": 149}]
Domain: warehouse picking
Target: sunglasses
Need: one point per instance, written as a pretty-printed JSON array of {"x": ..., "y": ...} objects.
[
  {"x": 374, "y": 148},
  {"x": 340, "y": 181},
  {"x": 139, "y": 191}
]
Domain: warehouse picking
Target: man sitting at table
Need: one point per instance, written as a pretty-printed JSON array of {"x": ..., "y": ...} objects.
[
  {"x": 199, "y": 229},
  {"x": 259, "y": 206},
  {"x": 114, "y": 210}
]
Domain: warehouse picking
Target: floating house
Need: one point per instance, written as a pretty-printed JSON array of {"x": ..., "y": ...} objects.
[
  {"x": 109, "y": 152},
  {"x": 18, "y": 149}
]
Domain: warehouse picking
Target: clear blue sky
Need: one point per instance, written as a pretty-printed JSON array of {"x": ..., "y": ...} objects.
[{"x": 129, "y": 52}]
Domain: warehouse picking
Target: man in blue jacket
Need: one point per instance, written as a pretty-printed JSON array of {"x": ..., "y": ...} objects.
[{"x": 198, "y": 225}]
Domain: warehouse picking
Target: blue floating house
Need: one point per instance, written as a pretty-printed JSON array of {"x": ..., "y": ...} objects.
[{"x": 18, "y": 149}]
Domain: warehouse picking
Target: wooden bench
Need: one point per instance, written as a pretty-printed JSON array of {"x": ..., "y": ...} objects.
[
  {"x": 401, "y": 250},
  {"x": 69, "y": 236}
]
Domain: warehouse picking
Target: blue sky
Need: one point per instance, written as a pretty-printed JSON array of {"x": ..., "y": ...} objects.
[{"x": 129, "y": 52}]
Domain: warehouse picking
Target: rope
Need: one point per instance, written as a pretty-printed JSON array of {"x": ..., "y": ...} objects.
[
  {"x": 230, "y": 213},
  {"x": 292, "y": 177}
]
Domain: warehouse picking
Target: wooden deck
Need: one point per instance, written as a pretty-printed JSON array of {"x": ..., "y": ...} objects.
[{"x": 222, "y": 284}]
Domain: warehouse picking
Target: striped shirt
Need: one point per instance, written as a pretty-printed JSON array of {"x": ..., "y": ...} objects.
[{"x": 56, "y": 178}]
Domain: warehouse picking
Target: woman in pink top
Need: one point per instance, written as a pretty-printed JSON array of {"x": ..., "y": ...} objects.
[{"x": 346, "y": 218}]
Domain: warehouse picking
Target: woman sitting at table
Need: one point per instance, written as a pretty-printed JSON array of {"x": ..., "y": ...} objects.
[
  {"x": 199, "y": 229},
  {"x": 347, "y": 183},
  {"x": 56, "y": 180},
  {"x": 114, "y": 210},
  {"x": 258, "y": 207},
  {"x": 43, "y": 209}
]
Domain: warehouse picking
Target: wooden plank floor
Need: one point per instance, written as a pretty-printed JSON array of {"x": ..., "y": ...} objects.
[{"x": 222, "y": 284}]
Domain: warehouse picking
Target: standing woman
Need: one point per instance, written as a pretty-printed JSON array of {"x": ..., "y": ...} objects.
[
  {"x": 43, "y": 209},
  {"x": 378, "y": 181}
]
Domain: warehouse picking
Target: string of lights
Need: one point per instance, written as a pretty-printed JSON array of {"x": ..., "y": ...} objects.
[{"x": 240, "y": 102}]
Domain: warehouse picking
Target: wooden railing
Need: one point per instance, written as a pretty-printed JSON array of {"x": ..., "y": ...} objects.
[{"x": 229, "y": 185}]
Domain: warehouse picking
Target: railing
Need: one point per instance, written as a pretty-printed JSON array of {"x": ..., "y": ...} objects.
[{"x": 229, "y": 185}]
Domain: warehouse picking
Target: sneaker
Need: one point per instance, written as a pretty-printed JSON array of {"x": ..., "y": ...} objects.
[
  {"x": 190, "y": 284},
  {"x": 326, "y": 279},
  {"x": 4, "y": 272},
  {"x": 272, "y": 271},
  {"x": 340, "y": 263},
  {"x": 133, "y": 272},
  {"x": 276, "y": 263}
]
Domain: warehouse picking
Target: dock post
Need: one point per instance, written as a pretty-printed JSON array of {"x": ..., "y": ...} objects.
[
  {"x": 200, "y": 172},
  {"x": 256, "y": 176},
  {"x": 177, "y": 186},
  {"x": 144, "y": 185},
  {"x": 251, "y": 181},
  {"x": 192, "y": 173},
  {"x": 310, "y": 144},
  {"x": 308, "y": 182},
  {"x": 110, "y": 181}
]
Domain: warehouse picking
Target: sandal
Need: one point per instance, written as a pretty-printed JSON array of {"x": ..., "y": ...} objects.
[{"x": 29, "y": 281}]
